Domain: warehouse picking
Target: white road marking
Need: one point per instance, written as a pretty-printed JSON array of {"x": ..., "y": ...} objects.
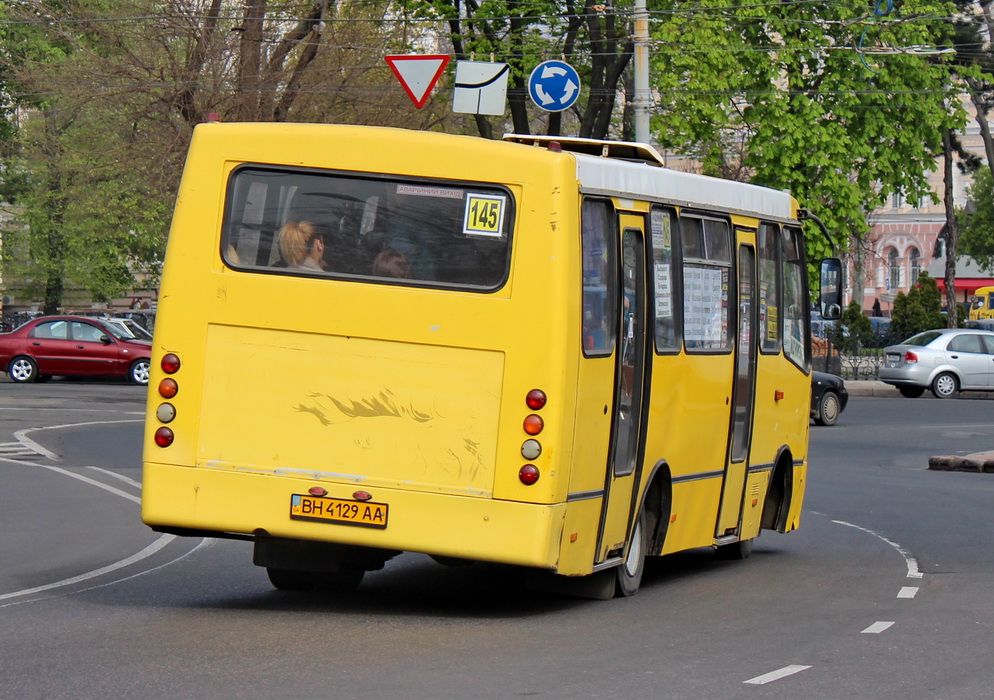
[
  {"x": 912, "y": 563},
  {"x": 122, "y": 477},
  {"x": 908, "y": 592},
  {"x": 776, "y": 675},
  {"x": 878, "y": 627},
  {"x": 151, "y": 549},
  {"x": 161, "y": 542}
]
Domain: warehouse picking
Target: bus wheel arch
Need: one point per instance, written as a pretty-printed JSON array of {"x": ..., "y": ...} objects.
[
  {"x": 648, "y": 531},
  {"x": 779, "y": 493}
]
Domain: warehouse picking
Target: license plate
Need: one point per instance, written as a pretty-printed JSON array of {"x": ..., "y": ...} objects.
[
  {"x": 893, "y": 360},
  {"x": 336, "y": 510}
]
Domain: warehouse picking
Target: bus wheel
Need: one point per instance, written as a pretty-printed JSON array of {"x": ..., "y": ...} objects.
[
  {"x": 630, "y": 571},
  {"x": 290, "y": 579},
  {"x": 347, "y": 579},
  {"x": 736, "y": 550},
  {"x": 343, "y": 581},
  {"x": 911, "y": 392}
]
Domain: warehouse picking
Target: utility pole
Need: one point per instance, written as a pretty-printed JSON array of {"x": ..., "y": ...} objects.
[{"x": 642, "y": 95}]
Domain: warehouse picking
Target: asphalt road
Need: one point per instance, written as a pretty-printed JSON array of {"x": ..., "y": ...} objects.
[{"x": 884, "y": 592}]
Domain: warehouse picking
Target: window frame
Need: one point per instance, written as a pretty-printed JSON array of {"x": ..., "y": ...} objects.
[{"x": 229, "y": 224}]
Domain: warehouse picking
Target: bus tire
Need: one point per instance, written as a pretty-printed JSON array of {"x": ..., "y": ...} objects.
[
  {"x": 629, "y": 574},
  {"x": 343, "y": 581},
  {"x": 911, "y": 392},
  {"x": 346, "y": 579},
  {"x": 736, "y": 550},
  {"x": 290, "y": 579}
]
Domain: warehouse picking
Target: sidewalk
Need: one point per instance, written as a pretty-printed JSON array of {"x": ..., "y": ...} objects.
[{"x": 871, "y": 387}]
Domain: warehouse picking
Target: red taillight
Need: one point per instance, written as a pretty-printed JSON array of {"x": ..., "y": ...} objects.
[
  {"x": 534, "y": 424},
  {"x": 164, "y": 437},
  {"x": 535, "y": 399},
  {"x": 170, "y": 364},
  {"x": 910, "y": 357},
  {"x": 528, "y": 474},
  {"x": 168, "y": 388}
]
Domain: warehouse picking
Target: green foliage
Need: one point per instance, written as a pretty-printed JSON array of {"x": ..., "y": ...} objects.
[
  {"x": 918, "y": 310},
  {"x": 977, "y": 224},
  {"x": 768, "y": 96}
]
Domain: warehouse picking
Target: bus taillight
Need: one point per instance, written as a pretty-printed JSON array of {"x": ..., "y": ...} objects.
[
  {"x": 168, "y": 388},
  {"x": 164, "y": 437},
  {"x": 535, "y": 399},
  {"x": 170, "y": 364},
  {"x": 528, "y": 474}
]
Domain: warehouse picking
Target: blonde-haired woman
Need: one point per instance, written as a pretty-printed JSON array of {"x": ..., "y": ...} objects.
[{"x": 301, "y": 246}]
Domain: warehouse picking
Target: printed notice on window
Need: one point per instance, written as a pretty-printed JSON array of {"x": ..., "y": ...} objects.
[
  {"x": 664, "y": 290},
  {"x": 705, "y": 306}
]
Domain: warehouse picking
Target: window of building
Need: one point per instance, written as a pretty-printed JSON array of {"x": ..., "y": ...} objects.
[
  {"x": 894, "y": 269},
  {"x": 914, "y": 265}
]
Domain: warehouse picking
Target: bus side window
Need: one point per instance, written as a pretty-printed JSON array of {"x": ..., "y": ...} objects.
[
  {"x": 600, "y": 285},
  {"x": 795, "y": 294},
  {"x": 662, "y": 225},
  {"x": 707, "y": 267},
  {"x": 769, "y": 288}
]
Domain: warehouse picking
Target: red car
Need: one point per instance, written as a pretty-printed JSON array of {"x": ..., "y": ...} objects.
[{"x": 74, "y": 346}]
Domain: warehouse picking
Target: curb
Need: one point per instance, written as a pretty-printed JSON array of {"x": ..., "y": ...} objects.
[{"x": 979, "y": 463}]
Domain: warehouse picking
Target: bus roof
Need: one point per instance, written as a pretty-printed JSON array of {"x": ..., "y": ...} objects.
[{"x": 607, "y": 167}]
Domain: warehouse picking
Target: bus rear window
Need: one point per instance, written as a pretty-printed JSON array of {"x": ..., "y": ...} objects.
[{"x": 413, "y": 232}]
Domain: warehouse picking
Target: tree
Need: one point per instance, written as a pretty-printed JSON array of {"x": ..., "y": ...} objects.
[
  {"x": 977, "y": 235},
  {"x": 777, "y": 97},
  {"x": 918, "y": 310},
  {"x": 110, "y": 91}
]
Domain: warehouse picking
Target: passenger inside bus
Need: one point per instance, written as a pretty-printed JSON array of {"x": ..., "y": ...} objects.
[
  {"x": 391, "y": 263},
  {"x": 301, "y": 246}
]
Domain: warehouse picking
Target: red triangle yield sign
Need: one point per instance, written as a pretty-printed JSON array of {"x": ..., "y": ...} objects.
[{"x": 418, "y": 74}]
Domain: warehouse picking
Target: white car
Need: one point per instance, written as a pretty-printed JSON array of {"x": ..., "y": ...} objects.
[{"x": 943, "y": 360}]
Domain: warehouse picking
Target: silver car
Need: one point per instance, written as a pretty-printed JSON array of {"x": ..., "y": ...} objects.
[{"x": 943, "y": 360}]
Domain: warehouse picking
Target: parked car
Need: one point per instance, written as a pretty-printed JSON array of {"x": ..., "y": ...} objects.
[
  {"x": 73, "y": 346},
  {"x": 944, "y": 360},
  {"x": 828, "y": 397}
]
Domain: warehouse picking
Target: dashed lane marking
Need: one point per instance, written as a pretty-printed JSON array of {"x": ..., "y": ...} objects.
[{"x": 776, "y": 675}]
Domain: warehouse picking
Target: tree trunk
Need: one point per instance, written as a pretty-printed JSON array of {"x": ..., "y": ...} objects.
[
  {"x": 250, "y": 60},
  {"x": 952, "y": 233}
]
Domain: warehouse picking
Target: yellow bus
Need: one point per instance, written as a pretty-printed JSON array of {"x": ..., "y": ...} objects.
[
  {"x": 548, "y": 353},
  {"x": 982, "y": 305}
]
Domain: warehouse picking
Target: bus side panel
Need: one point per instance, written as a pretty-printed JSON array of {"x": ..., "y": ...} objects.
[
  {"x": 783, "y": 423},
  {"x": 688, "y": 427}
]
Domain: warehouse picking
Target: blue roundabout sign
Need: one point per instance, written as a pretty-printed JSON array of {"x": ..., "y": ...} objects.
[{"x": 554, "y": 85}]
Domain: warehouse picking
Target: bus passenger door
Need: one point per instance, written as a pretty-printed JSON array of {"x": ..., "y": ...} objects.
[
  {"x": 743, "y": 398},
  {"x": 623, "y": 470}
]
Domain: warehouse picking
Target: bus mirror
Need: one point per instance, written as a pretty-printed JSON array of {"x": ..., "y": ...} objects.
[{"x": 831, "y": 289}]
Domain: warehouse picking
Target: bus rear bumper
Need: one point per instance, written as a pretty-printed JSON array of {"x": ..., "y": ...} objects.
[{"x": 204, "y": 501}]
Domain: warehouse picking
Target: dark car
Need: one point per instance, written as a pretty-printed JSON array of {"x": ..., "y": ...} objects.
[
  {"x": 828, "y": 397},
  {"x": 73, "y": 346}
]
